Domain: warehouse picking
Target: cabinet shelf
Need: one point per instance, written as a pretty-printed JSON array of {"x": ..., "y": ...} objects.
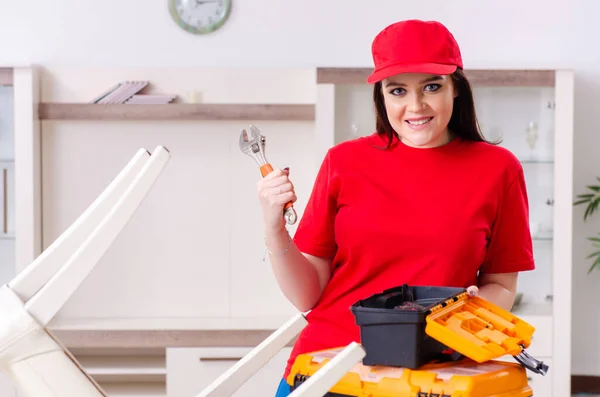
[
  {"x": 477, "y": 77},
  {"x": 105, "y": 112}
]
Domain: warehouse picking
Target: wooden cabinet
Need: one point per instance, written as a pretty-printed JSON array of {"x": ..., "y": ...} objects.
[
  {"x": 190, "y": 370},
  {"x": 194, "y": 249}
]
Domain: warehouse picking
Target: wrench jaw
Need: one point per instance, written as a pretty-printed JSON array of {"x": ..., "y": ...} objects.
[{"x": 252, "y": 143}]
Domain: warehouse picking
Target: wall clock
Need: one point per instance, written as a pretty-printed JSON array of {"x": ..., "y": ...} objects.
[{"x": 200, "y": 16}]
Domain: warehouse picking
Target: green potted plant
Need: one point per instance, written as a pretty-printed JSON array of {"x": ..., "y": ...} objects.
[{"x": 592, "y": 199}]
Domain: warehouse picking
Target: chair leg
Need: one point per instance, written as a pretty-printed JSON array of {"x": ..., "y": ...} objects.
[
  {"x": 325, "y": 378},
  {"x": 227, "y": 384},
  {"x": 38, "y": 364},
  {"x": 29, "y": 281},
  {"x": 44, "y": 305}
]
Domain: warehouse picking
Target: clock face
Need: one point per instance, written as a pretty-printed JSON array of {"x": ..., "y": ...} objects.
[{"x": 200, "y": 16}]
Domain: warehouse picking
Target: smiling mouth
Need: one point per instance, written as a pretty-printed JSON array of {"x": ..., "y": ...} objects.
[{"x": 420, "y": 121}]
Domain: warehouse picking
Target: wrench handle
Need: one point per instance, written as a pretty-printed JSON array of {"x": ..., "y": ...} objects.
[
  {"x": 288, "y": 211},
  {"x": 266, "y": 169}
]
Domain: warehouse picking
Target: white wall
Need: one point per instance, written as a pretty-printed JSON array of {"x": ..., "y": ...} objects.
[{"x": 519, "y": 34}]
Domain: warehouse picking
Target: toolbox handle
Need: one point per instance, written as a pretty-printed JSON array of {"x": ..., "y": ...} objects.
[
  {"x": 531, "y": 363},
  {"x": 388, "y": 297}
]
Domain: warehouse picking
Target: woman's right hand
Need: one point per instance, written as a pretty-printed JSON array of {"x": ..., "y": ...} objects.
[{"x": 274, "y": 191}]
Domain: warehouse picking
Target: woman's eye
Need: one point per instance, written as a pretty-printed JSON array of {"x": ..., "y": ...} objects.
[
  {"x": 432, "y": 87},
  {"x": 397, "y": 91}
]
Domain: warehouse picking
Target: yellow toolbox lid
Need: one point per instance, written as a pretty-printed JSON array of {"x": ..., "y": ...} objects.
[{"x": 482, "y": 331}]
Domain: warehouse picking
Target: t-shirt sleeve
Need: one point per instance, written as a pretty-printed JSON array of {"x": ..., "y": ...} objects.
[
  {"x": 510, "y": 248},
  {"x": 315, "y": 234}
]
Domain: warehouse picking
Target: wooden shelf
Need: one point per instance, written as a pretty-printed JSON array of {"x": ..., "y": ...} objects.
[
  {"x": 151, "y": 339},
  {"x": 85, "y": 111},
  {"x": 482, "y": 78},
  {"x": 6, "y": 76}
]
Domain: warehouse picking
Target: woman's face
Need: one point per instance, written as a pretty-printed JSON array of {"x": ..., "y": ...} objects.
[{"x": 419, "y": 107}]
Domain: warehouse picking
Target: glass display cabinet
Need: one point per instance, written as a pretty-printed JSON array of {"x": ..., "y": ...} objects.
[
  {"x": 531, "y": 112},
  {"x": 7, "y": 198},
  {"x": 523, "y": 119},
  {"x": 19, "y": 160}
]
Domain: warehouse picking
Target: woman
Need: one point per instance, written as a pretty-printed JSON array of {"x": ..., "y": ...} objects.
[{"x": 424, "y": 200}]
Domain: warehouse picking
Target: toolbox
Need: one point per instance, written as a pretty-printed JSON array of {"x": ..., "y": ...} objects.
[
  {"x": 464, "y": 378},
  {"x": 410, "y": 326},
  {"x": 392, "y": 326},
  {"x": 431, "y": 341}
]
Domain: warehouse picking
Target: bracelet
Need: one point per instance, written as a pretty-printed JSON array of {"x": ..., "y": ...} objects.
[{"x": 279, "y": 254}]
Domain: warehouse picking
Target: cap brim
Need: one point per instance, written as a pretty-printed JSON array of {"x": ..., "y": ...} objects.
[{"x": 431, "y": 68}]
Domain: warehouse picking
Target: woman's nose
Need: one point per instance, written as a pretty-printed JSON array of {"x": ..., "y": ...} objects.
[{"x": 415, "y": 103}]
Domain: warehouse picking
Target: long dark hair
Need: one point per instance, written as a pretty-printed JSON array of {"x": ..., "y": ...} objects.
[{"x": 463, "y": 121}]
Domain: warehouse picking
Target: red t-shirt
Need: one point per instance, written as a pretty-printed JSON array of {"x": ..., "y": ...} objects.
[{"x": 434, "y": 216}]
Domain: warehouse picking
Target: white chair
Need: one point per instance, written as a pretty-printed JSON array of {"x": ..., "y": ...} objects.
[
  {"x": 40, "y": 366},
  {"x": 37, "y": 363}
]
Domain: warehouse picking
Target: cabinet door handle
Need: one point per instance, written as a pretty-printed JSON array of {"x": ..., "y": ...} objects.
[
  {"x": 5, "y": 200},
  {"x": 208, "y": 359}
]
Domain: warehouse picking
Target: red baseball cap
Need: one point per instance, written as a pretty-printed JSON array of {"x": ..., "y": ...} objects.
[{"x": 414, "y": 46}]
